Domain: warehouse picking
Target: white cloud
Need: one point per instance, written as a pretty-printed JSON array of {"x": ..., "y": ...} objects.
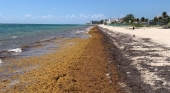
[
  {"x": 28, "y": 18},
  {"x": 45, "y": 17},
  {"x": 27, "y": 15},
  {"x": 81, "y": 16},
  {"x": 48, "y": 16},
  {"x": 98, "y": 16},
  {"x": 71, "y": 16},
  {"x": 84, "y": 16}
]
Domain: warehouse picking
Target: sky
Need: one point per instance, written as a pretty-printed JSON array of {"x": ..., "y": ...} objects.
[{"x": 77, "y": 11}]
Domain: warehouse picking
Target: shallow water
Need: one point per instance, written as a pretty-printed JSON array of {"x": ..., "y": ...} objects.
[{"x": 21, "y": 37}]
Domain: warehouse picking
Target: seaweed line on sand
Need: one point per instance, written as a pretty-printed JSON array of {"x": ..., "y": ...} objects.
[{"x": 76, "y": 68}]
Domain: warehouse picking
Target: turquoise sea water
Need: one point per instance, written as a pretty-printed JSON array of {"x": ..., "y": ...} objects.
[{"x": 15, "y": 36}]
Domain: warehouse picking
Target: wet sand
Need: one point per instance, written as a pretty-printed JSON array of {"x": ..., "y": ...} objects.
[{"x": 78, "y": 66}]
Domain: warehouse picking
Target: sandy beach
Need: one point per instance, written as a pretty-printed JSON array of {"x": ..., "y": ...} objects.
[
  {"x": 147, "y": 51},
  {"x": 81, "y": 46},
  {"x": 156, "y": 34},
  {"x": 81, "y": 65},
  {"x": 111, "y": 60}
]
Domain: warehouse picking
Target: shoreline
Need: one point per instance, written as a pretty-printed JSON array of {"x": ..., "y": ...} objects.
[
  {"x": 46, "y": 45},
  {"x": 81, "y": 66},
  {"x": 9, "y": 59},
  {"x": 25, "y": 39}
]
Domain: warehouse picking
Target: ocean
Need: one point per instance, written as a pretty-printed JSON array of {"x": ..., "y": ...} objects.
[{"x": 21, "y": 39}]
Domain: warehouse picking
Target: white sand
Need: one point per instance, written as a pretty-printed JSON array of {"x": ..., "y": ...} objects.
[
  {"x": 161, "y": 36},
  {"x": 156, "y": 57}
]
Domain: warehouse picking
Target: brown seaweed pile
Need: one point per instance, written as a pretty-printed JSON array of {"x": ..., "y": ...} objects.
[{"x": 79, "y": 66}]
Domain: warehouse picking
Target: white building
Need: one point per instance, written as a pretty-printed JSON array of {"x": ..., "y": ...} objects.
[
  {"x": 109, "y": 21},
  {"x": 112, "y": 20}
]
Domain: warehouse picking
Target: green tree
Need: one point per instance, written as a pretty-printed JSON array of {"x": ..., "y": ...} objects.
[
  {"x": 164, "y": 14},
  {"x": 168, "y": 19},
  {"x": 129, "y": 18},
  {"x": 165, "y": 18},
  {"x": 155, "y": 19},
  {"x": 101, "y": 22},
  {"x": 146, "y": 19},
  {"x": 160, "y": 18},
  {"x": 137, "y": 20},
  {"x": 142, "y": 19},
  {"x": 168, "y": 25}
]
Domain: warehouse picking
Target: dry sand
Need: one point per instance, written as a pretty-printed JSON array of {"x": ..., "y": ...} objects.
[
  {"x": 147, "y": 51},
  {"x": 158, "y": 35},
  {"x": 80, "y": 66}
]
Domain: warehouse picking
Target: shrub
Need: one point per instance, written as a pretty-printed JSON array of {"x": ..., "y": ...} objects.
[{"x": 168, "y": 25}]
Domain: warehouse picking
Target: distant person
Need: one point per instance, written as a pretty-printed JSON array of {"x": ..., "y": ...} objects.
[{"x": 133, "y": 27}]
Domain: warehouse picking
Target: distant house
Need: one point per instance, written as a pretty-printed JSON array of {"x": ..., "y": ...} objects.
[
  {"x": 120, "y": 20},
  {"x": 109, "y": 21},
  {"x": 94, "y": 22},
  {"x": 105, "y": 21}
]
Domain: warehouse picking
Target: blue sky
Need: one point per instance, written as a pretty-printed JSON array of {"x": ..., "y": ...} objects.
[{"x": 77, "y": 11}]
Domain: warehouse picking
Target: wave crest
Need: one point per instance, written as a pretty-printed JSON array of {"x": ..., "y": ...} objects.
[
  {"x": 0, "y": 61},
  {"x": 17, "y": 50}
]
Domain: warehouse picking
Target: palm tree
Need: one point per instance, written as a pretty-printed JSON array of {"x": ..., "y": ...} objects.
[
  {"x": 137, "y": 20},
  {"x": 160, "y": 18},
  {"x": 142, "y": 19},
  {"x": 129, "y": 18},
  {"x": 146, "y": 20},
  {"x": 155, "y": 19},
  {"x": 164, "y": 14},
  {"x": 101, "y": 21},
  {"x": 165, "y": 17}
]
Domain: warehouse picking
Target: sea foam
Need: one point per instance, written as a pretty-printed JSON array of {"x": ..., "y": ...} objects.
[
  {"x": 79, "y": 32},
  {"x": 15, "y": 50},
  {"x": 0, "y": 61},
  {"x": 14, "y": 36}
]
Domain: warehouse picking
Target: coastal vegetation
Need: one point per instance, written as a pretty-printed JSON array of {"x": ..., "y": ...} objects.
[
  {"x": 168, "y": 25},
  {"x": 162, "y": 20}
]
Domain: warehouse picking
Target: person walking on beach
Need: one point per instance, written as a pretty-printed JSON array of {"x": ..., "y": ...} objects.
[{"x": 133, "y": 27}]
